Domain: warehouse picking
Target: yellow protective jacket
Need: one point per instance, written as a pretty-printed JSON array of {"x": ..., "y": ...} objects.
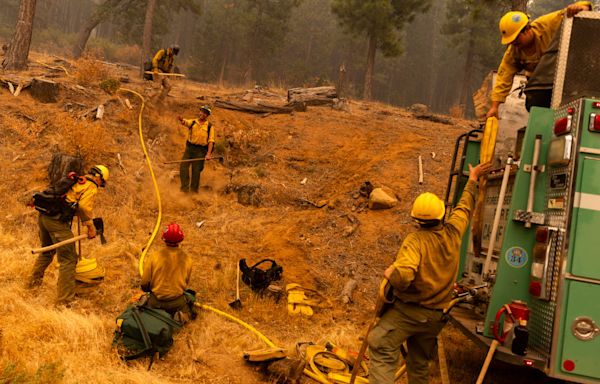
[
  {"x": 167, "y": 273},
  {"x": 163, "y": 61},
  {"x": 427, "y": 263},
  {"x": 199, "y": 132},
  {"x": 544, "y": 28},
  {"x": 83, "y": 193}
]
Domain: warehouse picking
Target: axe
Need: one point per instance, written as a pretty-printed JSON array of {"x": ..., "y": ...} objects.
[{"x": 98, "y": 224}]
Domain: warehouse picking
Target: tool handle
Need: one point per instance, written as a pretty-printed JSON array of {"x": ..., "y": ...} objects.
[
  {"x": 488, "y": 360},
  {"x": 60, "y": 244},
  {"x": 191, "y": 160},
  {"x": 237, "y": 282},
  {"x": 165, "y": 74}
]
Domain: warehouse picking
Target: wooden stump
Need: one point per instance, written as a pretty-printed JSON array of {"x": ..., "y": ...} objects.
[{"x": 44, "y": 91}]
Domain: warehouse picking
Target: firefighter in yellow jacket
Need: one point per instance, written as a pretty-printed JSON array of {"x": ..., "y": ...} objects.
[
  {"x": 527, "y": 42},
  {"x": 164, "y": 62},
  {"x": 423, "y": 277},
  {"x": 199, "y": 145},
  {"x": 53, "y": 229},
  {"x": 166, "y": 274}
]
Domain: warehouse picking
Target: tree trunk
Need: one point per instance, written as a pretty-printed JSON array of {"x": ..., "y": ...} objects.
[
  {"x": 224, "y": 63},
  {"x": 464, "y": 93},
  {"x": 147, "y": 40},
  {"x": 96, "y": 18},
  {"x": 519, "y": 5},
  {"x": 368, "y": 91},
  {"x": 18, "y": 51}
]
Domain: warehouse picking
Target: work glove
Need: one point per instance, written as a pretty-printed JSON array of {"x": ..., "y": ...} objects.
[
  {"x": 155, "y": 75},
  {"x": 91, "y": 231}
]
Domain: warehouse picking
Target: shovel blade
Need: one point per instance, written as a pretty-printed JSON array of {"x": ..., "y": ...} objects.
[{"x": 237, "y": 304}]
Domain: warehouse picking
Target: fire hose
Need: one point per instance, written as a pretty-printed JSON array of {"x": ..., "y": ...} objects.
[{"x": 154, "y": 182}]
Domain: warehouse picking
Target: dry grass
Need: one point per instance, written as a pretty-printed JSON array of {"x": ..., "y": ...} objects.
[
  {"x": 40, "y": 343},
  {"x": 90, "y": 71}
]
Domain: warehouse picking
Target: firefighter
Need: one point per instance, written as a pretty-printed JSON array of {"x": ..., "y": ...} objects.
[
  {"x": 166, "y": 274},
  {"x": 422, "y": 278},
  {"x": 527, "y": 42},
  {"x": 199, "y": 145},
  {"x": 164, "y": 62},
  {"x": 56, "y": 228}
]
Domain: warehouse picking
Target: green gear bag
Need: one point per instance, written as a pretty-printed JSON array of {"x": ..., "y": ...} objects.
[{"x": 144, "y": 331}]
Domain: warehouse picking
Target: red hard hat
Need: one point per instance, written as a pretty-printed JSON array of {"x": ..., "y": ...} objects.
[{"x": 172, "y": 234}]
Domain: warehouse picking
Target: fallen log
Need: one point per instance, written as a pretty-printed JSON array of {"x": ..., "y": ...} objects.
[
  {"x": 252, "y": 108},
  {"x": 312, "y": 96}
]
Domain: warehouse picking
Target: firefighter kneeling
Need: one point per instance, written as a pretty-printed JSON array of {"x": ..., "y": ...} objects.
[
  {"x": 423, "y": 277},
  {"x": 167, "y": 275}
]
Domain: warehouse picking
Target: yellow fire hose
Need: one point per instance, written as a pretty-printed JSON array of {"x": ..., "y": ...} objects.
[
  {"x": 54, "y": 67},
  {"x": 154, "y": 182},
  {"x": 317, "y": 377},
  {"x": 486, "y": 155}
]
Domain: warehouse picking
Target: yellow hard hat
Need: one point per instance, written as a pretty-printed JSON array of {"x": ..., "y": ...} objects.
[
  {"x": 102, "y": 171},
  {"x": 511, "y": 24},
  {"x": 428, "y": 206}
]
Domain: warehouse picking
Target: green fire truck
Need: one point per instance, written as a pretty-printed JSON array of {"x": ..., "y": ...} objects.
[{"x": 539, "y": 267}]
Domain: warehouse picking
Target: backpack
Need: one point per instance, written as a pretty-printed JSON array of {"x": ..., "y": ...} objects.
[
  {"x": 52, "y": 201},
  {"x": 144, "y": 331},
  {"x": 258, "y": 279}
]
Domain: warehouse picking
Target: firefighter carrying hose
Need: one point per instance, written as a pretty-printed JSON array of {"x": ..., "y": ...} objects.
[
  {"x": 55, "y": 226},
  {"x": 422, "y": 277},
  {"x": 164, "y": 62},
  {"x": 527, "y": 43}
]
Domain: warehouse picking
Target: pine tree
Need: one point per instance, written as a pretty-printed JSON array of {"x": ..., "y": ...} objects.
[
  {"x": 380, "y": 21},
  {"x": 18, "y": 50}
]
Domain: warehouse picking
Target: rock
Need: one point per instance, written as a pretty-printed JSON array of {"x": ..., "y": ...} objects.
[
  {"x": 382, "y": 198},
  {"x": 419, "y": 108},
  {"x": 44, "y": 91}
]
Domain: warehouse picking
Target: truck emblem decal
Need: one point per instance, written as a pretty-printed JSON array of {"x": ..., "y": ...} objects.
[{"x": 516, "y": 257}]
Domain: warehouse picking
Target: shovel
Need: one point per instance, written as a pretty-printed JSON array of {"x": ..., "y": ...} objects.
[{"x": 237, "y": 304}]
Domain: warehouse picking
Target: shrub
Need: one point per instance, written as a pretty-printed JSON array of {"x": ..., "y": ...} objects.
[
  {"x": 110, "y": 86},
  {"x": 90, "y": 71}
]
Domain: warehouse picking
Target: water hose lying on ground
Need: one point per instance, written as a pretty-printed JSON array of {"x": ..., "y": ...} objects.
[
  {"x": 154, "y": 182},
  {"x": 319, "y": 378}
]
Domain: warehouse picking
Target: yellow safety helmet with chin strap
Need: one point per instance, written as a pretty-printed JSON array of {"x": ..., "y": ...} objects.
[
  {"x": 102, "y": 171},
  {"x": 511, "y": 24},
  {"x": 428, "y": 207}
]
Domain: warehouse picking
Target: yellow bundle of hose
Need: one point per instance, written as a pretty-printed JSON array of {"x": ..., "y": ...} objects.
[
  {"x": 486, "y": 155},
  {"x": 154, "y": 182}
]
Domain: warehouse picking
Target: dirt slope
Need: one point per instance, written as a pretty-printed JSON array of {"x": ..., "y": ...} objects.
[{"x": 318, "y": 247}]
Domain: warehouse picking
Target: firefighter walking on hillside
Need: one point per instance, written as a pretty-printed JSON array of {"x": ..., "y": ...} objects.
[
  {"x": 79, "y": 201},
  {"x": 199, "y": 145},
  {"x": 527, "y": 42},
  {"x": 164, "y": 62},
  {"x": 422, "y": 278},
  {"x": 166, "y": 275}
]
